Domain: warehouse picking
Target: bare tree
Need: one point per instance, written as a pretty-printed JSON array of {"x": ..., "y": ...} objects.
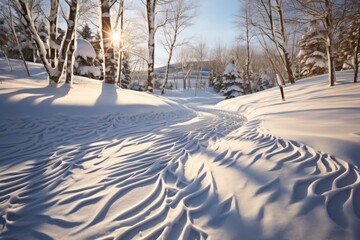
[
  {"x": 271, "y": 23},
  {"x": 357, "y": 51},
  {"x": 244, "y": 21},
  {"x": 180, "y": 18},
  {"x": 120, "y": 24},
  {"x": 11, "y": 23},
  {"x": 219, "y": 57},
  {"x": 54, "y": 67},
  {"x": 152, "y": 27},
  {"x": 185, "y": 58},
  {"x": 331, "y": 13},
  {"x": 200, "y": 53}
]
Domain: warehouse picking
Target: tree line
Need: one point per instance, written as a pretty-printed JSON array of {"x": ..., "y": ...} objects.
[{"x": 297, "y": 38}]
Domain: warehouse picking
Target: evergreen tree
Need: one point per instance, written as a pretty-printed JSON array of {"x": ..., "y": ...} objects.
[
  {"x": 85, "y": 32},
  {"x": 347, "y": 45},
  {"x": 233, "y": 85},
  {"x": 265, "y": 82},
  {"x": 84, "y": 60},
  {"x": 217, "y": 82},
  {"x": 312, "y": 55}
]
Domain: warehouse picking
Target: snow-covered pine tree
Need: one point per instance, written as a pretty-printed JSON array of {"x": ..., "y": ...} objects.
[
  {"x": 312, "y": 55},
  {"x": 233, "y": 85},
  {"x": 84, "y": 60},
  {"x": 217, "y": 82},
  {"x": 85, "y": 32},
  {"x": 265, "y": 82}
]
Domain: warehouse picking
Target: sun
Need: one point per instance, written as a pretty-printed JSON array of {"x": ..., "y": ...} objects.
[{"x": 115, "y": 37}]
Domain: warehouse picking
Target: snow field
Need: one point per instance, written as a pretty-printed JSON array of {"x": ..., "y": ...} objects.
[{"x": 138, "y": 166}]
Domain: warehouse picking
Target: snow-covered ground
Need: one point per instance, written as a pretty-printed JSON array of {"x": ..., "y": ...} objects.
[{"x": 97, "y": 162}]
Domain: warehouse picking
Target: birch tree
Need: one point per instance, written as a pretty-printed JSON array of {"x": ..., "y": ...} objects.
[
  {"x": 54, "y": 67},
  {"x": 152, "y": 27},
  {"x": 53, "y": 23},
  {"x": 180, "y": 18},
  {"x": 107, "y": 42},
  {"x": 185, "y": 58}
]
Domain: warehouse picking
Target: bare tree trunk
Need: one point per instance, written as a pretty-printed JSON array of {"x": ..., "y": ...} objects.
[
  {"x": 7, "y": 60},
  {"x": 33, "y": 50},
  {"x": 166, "y": 73},
  {"x": 247, "y": 66},
  {"x": 356, "y": 57},
  {"x": 106, "y": 31},
  {"x": 68, "y": 45},
  {"x": 184, "y": 82},
  {"x": 120, "y": 43},
  {"x": 329, "y": 41},
  {"x": 69, "y": 65},
  {"x": 277, "y": 36},
  {"x": 17, "y": 40},
  {"x": 171, "y": 48},
  {"x": 150, "y": 11},
  {"x": 287, "y": 60},
  {"x": 288, "y": 66},
  {"x": 53, "y": 22},
  {"x": 185, "y": 77}
]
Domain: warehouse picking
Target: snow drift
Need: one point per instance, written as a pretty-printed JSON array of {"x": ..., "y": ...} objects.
[{"x": 146, "y": 167}]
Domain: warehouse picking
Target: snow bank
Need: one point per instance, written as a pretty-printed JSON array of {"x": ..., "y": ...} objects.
[
  {"x": 84, "y": 49},
  {"x": 325, "y": 118},
  {"x": 89, "y": 70},
  {"x": 21, "y": 96}
]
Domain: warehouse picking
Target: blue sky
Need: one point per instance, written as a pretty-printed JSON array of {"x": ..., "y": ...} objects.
[
  {"x": 213, "y": 23},
  {"x": 215, "y": 20}
]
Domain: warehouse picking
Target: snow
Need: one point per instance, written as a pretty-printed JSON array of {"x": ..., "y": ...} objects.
[
  {"x": 231, "y": 69},
  {"x": 322, "y": 117},
  {"x": 85, "y": 97},
  {"x": 86, "y": 70},
  {"x": 93, "y": 161},
  {"x": 84, "y": 49}
]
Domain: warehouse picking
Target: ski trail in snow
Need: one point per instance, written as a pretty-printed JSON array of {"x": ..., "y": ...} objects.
[{"x": 168, "y": 176}]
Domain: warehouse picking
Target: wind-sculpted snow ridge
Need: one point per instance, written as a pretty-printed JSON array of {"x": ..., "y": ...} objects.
[
  {"x": 69, "y": 176},
  {"x": 285, "y": 179},
  {"x": 215, "y": 175}
]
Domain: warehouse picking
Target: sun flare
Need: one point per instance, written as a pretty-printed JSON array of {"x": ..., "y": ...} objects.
[{"x": 115, "y": 37}]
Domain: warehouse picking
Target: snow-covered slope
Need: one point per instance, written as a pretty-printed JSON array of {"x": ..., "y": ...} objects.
[
  {"x": 21, "y": 96},
  {"x": 326, "y": 118}
]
